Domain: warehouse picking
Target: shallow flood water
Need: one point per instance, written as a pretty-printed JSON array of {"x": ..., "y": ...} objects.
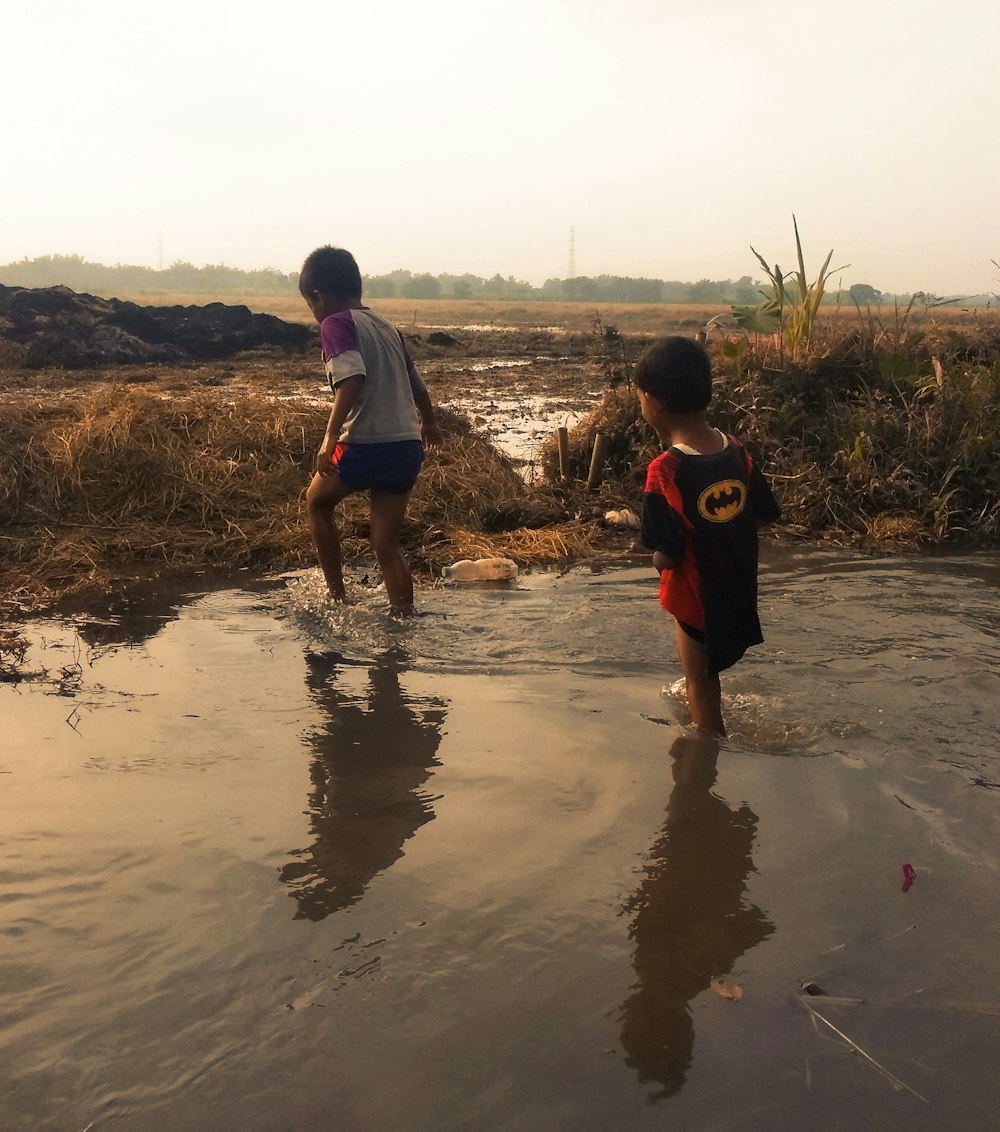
[{"x": 267, "y": 865}]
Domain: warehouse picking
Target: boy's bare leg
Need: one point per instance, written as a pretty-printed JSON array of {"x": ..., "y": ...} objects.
[
  {"x": 704, "y": 692},
  {"x": 322, "y": 496},
  {"x": 388, "y": 512}
]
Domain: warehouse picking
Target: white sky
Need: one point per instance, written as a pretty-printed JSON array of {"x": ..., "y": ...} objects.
[{"x": 470, "y": 135}]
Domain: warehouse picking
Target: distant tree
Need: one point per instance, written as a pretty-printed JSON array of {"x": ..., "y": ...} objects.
[
  {"x": 379, "y": 286},
  {"x": 708, "y": 291},
  {"x": 580, "y": 289},
  {"x": 423, "y": 286},
  {"x": 864, "y": 294},
  {"x": 745, "y": 290}
]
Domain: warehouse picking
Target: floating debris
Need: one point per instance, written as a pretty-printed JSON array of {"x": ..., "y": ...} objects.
[
  {"x": 726, "y": 988},
  {"x": 891, "y": 1077}
]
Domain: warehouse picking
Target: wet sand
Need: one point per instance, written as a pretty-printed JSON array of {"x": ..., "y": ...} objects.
[{"x": 268, "y": 866}]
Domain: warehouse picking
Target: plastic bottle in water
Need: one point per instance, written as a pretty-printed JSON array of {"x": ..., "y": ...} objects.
[{"x": 480, "y": 570}]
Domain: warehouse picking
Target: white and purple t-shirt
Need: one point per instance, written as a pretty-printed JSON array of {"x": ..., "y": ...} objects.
[{"x": 357, "y": 341}]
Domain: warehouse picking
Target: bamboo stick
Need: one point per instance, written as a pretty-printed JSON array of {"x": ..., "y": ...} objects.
[
  {"x": 562, "y": 435},
  {"x": 600, "y": 454}
]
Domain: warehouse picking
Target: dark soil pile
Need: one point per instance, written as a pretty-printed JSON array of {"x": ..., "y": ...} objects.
[{"x": 54, "y": 326}]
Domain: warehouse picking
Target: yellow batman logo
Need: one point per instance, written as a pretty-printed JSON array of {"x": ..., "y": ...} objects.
[{"x": 722, "y": 501}]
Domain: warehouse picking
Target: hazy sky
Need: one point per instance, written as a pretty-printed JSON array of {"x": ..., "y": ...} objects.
[{"x": 469, "y": 135}]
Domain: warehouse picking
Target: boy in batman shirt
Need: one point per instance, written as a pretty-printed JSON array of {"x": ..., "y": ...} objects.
[{"x": 702, "y": 505}]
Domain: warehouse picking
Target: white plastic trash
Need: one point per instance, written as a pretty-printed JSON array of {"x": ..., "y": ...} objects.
[
  {"x": 480, "y": 570},
  {"x": 624, "y": 518}
]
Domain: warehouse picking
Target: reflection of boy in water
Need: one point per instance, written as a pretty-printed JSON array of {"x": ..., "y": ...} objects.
[
  {"x": 371, "y": 763},
  {"x": 380, "y": 423},
  {"x": 703, "y": 503},
  {"x": 690, "y": 920}
]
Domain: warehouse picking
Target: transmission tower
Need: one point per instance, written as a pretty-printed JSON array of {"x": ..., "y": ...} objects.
[{"x": 572, "y": 253}]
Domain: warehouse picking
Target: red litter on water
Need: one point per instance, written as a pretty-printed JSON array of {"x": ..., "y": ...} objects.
[{"x": 909, "y": 877}]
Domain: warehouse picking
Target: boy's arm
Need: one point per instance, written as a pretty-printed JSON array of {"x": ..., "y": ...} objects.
[
  {"x": 345, "y": 395},
  {"x": 430, "y": 433},
  {"x": 762, "y": 502},
  {"x": 658, "y": 531}
]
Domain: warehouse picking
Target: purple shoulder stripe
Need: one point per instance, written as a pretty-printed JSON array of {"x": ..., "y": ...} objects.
[{"x": 338, "y": 334}]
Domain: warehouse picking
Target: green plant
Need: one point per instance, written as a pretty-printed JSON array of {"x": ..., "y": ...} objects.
[{"x": 788, "y": 311}]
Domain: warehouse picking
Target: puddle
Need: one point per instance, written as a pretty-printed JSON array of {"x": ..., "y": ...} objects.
[
  {"x": 500, "y": 363},
  {"x": 265, "y": 860}
]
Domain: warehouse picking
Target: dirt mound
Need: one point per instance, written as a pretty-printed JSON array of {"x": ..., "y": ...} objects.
[{"x": 55, "y": 326}]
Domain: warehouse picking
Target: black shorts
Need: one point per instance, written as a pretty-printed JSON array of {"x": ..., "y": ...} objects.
[{"x": 695, "y": 634}]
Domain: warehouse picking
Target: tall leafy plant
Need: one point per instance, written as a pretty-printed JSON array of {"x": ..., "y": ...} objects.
[{"x": 791, "y": 308}]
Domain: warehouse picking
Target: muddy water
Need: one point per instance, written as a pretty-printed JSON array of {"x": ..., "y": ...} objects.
[{"x": 268, "y": 866}]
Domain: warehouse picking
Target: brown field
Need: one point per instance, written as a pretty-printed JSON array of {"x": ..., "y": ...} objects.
[
  {"x": 425, "y": 314},
  {"x": 420, "y": 315}
]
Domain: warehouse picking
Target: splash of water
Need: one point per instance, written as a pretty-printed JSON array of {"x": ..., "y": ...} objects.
[{"x": 367, "y": 623}]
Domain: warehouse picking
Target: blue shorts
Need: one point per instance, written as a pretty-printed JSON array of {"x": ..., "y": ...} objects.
[{"x": 390, "y": 467}]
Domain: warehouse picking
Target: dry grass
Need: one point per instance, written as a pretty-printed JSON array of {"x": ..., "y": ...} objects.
[
  {"x": 891, "y": 439},
  {"x": 121, "y": 478},
  {"x": 631, "y": 444},
  {"x": 888, "y": 434},
  {"x": 13, "y": 649},
  {"x": 561, "y": 542}
]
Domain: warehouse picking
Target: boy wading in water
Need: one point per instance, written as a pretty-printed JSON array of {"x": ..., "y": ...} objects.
[
  {"x": 701, "y": 508},
  {"x": 380, "y": 425}
]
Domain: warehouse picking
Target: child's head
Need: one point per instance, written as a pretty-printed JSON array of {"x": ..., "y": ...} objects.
[
  {"x": 329, "y": 278},
  {"x": 678, "y": 373}
]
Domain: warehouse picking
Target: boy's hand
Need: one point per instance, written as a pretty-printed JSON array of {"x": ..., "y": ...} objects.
[
  {"x": 324, "y": 458},
  {"x": 430, "y": 434},
  {"x": 663, "y": 561}
]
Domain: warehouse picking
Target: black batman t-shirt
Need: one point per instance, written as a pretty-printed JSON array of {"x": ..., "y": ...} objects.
[{"x": 702, "y": 511}]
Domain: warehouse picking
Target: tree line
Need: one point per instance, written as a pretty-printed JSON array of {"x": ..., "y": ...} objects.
[
  {"x": 81, "y": 275},
  {"x": 218, "y": 280}
]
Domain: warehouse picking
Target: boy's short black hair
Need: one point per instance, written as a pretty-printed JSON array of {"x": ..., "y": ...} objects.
[
  {"x": 331, "y": 270},
  {"x": 678, "y": 373}
]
